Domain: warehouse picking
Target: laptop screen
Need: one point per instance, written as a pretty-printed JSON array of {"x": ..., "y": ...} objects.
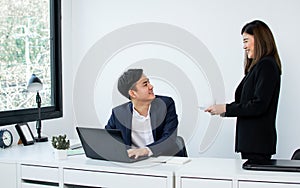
[{"x": 104, "y": 144}]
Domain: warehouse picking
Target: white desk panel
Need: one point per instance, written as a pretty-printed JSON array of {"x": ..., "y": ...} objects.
[
  {"x": 39, "y": 173},
  {"x": 113, "y": 179},
  {"x": 8, "y": 175},
  {"x": 201, "y": 182},
  {"x": 35, "y": 165},
  {"x": 254, "y": 184},
  {"x": 220, "y": 173}
]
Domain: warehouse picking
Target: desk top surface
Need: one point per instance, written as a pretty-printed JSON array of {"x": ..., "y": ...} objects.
[
  {"x": 220, "y": 168},
  {"x": 229, "y": 169},
  {"x": 43, "y": 154}
]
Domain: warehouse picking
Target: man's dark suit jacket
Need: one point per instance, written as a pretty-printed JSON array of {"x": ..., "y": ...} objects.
[
  {"x": 164, "y": 124},
  {"x": 255, "y": 106}
]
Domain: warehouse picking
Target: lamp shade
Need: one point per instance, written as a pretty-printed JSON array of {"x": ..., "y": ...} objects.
[{"x": 34, "y": 84}]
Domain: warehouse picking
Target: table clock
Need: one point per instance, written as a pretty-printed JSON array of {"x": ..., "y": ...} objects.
[{"x": 6, "y": 138}]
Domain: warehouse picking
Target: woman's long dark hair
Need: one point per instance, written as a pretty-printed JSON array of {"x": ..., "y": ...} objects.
[{"x": 264, "y": 44}]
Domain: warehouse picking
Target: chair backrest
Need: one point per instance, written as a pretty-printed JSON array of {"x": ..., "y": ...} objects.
[
  {"x": 182, "y": 148},
  {"x": 296, "y": 155}
]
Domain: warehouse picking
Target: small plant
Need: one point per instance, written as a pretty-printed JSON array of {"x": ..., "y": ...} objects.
[{"x": 60, "y": 142}]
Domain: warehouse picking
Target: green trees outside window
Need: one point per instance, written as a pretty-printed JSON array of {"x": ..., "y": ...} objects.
[{"x": 30, "y": 43}]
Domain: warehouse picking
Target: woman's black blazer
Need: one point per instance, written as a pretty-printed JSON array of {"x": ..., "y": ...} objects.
[{"x": 255, "y": 106}]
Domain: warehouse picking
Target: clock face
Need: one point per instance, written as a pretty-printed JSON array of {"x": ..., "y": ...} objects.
[{"x": 6, "y": 138}]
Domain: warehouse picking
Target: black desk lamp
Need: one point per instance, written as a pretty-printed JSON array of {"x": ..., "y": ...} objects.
[{"x": 35, "y": 85}]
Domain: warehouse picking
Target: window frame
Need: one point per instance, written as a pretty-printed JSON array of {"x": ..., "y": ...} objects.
[{"x": 49, "y": 112}]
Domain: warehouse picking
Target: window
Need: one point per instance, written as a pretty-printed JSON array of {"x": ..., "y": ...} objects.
[{"x": 30, "y": 43}]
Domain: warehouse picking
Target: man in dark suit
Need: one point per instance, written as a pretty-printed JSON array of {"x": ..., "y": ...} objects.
[{"x": 148, "y": 122}]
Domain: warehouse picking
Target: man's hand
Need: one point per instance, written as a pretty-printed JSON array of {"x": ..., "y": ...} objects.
[{"x": 136, "y": 153}]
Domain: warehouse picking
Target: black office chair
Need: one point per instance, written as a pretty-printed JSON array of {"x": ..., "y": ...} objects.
[
  {"x": 181, "y": 145},
  {"x": 296, "y": 155}
]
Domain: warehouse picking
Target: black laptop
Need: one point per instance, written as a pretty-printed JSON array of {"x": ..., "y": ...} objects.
[
  {"x": 273, "y": 165},
  {"x": 104, "y": 144}
]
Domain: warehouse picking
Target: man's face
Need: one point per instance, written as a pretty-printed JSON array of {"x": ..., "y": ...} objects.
[{"x": 143, "y": 90}]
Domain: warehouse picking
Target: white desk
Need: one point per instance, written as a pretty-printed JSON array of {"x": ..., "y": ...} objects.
[
  {"x": 228, "y": 173},
  {"x": 35, "y": 166}
]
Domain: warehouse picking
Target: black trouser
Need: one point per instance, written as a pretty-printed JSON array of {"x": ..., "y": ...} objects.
[{"x": 255, "y": 156}]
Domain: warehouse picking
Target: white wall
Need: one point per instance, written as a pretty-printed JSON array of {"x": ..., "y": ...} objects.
[{"x": 192, "y": 40}]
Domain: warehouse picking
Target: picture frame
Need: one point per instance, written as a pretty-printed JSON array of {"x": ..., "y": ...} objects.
[{"x": 25, "y": 133}]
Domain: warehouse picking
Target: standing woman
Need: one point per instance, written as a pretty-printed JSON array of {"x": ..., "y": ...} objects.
[{"x": 256, "y": 97}]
